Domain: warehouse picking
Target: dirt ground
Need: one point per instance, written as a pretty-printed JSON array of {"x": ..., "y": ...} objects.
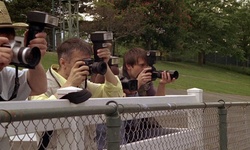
[{"x": 213, "y": 97}]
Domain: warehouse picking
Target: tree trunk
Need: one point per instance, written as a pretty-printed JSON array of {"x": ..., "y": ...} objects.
[{"x": 201, "y": 58}]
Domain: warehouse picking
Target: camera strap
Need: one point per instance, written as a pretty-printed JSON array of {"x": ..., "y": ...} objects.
[
  {"x": 85, "y": 85},
  {"x": 59, "y": 85},
  {"x": 15, "y": 91}
]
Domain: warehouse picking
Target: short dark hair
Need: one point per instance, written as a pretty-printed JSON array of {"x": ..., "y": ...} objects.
[
  {"x": 131, "y": 58},
  {"x": 8, "y": 31},
  {"x": 66, "y": 48}
]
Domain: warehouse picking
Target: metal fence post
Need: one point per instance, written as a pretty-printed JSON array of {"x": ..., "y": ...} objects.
[
  {"x": 113, "y": 122},
  {"x": 223, "y": 127}
]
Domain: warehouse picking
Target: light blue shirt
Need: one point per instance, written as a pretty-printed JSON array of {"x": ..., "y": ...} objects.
[{"x": 7, "y": 84}]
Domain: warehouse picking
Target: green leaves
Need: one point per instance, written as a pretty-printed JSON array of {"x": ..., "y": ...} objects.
[
  {"x": 172, "y": 26},
  {"x": 219, "y": 26}
]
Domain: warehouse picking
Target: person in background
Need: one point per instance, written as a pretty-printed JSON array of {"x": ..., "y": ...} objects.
[
  {"x": 28, "y": 83},
  {"x": 113, "y": 65},
  {"x": 72, "y": 71},
  {"x": 135, "y": 66},
  {"x": 15, "y": 84}
]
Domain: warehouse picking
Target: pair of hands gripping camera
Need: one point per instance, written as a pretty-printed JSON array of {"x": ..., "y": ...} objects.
[
  {"x": 96, "y": 65},
  {"x": 25, "y": 56},
  {"x": 132, "y": 84},
  {"x": 30, "y": 57}
]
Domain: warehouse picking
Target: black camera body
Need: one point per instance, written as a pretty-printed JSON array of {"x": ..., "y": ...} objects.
[
  {"x": 96, "y": 67},
  {"x": 151, "y": 59},
  {"x": 37, "y": 21},
  {"x": 24, "y": 56},
  {"x": 157, "y": 74},
  {"x": 29, "y": 57},
  {"x": 131, "y": 85}
]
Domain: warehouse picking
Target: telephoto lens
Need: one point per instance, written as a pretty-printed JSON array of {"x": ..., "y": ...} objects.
[
  {"x": 173, "y": 74},
  {"x": 157, "y": 74}
]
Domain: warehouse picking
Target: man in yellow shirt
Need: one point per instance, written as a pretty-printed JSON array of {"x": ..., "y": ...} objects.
[{"x": 72, "y": 71}]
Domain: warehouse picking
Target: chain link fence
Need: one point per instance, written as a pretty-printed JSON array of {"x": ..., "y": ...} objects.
[
  {"x": 222, "y": 59},
  {"x": 196, "y": 126}
]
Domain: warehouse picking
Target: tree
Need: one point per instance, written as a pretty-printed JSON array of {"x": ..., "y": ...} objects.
[
  {"x": 19, "y": 8},
  {"x": 212, "y": 28},
  {"x": 242, "y": 20},
  {"x": 106, "y": 17},
  {"x": 164, "y": 24},
  {"x": 152, "y": 24}
]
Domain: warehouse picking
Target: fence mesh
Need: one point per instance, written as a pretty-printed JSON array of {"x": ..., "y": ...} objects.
[
  {"x": 189, "y": 129},
  {"x": 238, "y": 128}
]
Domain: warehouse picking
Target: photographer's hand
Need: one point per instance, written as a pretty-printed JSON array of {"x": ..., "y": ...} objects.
[
  {"x": 77, "y": 75},
  {"x": 165, "y": 78},
  {"x": 38, "y": 86},
  {"x": 105, "y": 53},
  {"x": 6, "y": 53},
  {"x": 144, "y": 77},
  {"x": 39, "y": 41}
]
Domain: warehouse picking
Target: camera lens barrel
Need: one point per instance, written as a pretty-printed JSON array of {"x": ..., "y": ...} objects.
[
  {"x": 24, "y": 56},
  {"x": 96, "y": 67},
  {"x": 99, "y": 67},
  {"x": 157, "y": 74},
  {"x": 174, "y": 74}
]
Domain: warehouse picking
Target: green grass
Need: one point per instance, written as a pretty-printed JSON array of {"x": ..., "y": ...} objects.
[
  {"x": 208, "y": 78},
  {"x": 49, "y": 59}
]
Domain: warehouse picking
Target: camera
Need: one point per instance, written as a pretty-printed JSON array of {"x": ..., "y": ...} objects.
[
  {"x": 96, "y": 67},
  {"x": 37, "y": 21},
  {"x": 131, "y": 85},
  {"x": 113, "y": 61},
  {"x": 151, "y": 57},
  {"x": 157, "y": 74},
  {"x": 100, "y": 40},
  {"x": 24, "y": 56}
]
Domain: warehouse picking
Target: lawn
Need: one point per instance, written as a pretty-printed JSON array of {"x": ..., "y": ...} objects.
[
  {"x": 49, "y": 59},
  {"x": 208, "y": 78}
]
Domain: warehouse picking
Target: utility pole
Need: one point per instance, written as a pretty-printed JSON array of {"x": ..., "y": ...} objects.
[
  {"x": 69, "y": 24},
  {"x": 53, "y": 30}
]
